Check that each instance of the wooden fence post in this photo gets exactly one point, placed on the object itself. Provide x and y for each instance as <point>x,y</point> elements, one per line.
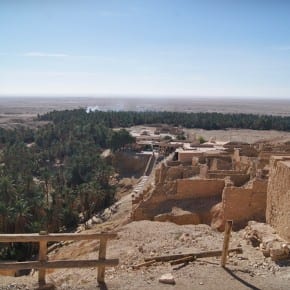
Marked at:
<point>42,258</point>
<point>102,256</point>
<point>228,229</point>
<point>43,264</point>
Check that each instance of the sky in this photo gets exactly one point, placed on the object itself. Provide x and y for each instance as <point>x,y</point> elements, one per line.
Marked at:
<point>188,48</point>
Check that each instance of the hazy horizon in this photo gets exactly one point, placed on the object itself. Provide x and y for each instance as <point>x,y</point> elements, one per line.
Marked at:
<point>35,105</point>
<point>152,97</point>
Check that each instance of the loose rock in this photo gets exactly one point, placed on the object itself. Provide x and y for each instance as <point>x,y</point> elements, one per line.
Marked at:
<point>167,279</point>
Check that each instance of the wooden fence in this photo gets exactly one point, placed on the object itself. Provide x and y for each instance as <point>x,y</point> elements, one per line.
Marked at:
<point>42,264</point>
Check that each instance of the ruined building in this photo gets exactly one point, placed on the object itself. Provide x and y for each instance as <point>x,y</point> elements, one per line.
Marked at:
<point>219,181</point>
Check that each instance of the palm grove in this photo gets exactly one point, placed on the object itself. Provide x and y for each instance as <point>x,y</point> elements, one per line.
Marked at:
<point>51,176</point>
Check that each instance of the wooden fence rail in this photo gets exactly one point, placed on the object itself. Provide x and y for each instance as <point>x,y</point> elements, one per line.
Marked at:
<point>42,264</point>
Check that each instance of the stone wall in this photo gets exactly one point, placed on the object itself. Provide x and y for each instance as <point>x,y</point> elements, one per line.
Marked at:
<point>237,178</point>
<point>194,195</point>
<point>220,164</point>
<point>190,171</point>
<point>195,188</point>
<point>278,197</point>
<point>244,204</point>
<point>182,197</point>
<point>185,157</point>
<point>265,156</point>
<point>164,173</point>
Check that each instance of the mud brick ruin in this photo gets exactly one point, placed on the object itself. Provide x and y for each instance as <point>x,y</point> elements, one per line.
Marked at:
<point>216,181</point>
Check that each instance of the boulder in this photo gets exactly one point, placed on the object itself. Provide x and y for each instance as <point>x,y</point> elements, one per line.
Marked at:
<point>96,220</point>
<point>167,279</point>
<point>217,217</point>
<point>179,216</point>
<point>89,224</point>
<point>279,251</point>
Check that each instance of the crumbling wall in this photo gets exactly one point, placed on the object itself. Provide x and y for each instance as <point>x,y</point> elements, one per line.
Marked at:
<point>237,178</point>
<point>194,195</point>
<point>173,173</point>
<point>164,173</point>
<point>195,188</point>
<point>265,156</point>
<point>186,156</point>
<point>244,204</point>
<point>278,197</point>
<point>211,198</point>
<point>241,205</point>
<point>223,162</point>
<point>244,164</point>
<point>190,171</point>
<point>224,165</point>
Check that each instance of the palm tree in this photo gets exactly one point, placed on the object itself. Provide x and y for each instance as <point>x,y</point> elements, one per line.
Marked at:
<point>3,217</point>
<point>7,190</point>
<point>21,213</point>
<point>7,197</point>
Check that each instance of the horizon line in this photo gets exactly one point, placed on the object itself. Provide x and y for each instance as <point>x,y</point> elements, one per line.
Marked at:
<point>130,96</point>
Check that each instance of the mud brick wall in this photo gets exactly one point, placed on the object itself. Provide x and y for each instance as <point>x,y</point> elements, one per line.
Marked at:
<point>195,188</point>
<point>194,195</point>
<point>244,204</point>
<point>186,157</point>
<point>278,197</point>
<point>238,179</point>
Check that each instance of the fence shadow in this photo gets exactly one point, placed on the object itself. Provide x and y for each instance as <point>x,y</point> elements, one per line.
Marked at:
<point>247,284</point>
<point>102,286</point>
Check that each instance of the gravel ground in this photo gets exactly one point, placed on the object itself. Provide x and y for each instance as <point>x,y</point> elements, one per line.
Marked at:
<point>249,270</point>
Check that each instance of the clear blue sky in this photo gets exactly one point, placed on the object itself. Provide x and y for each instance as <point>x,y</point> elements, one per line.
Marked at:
<point>143,47</point>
